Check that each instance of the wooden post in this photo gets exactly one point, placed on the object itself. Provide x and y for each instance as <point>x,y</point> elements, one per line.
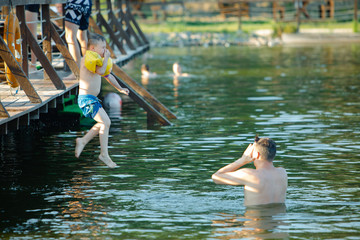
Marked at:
<point>118,26</point>
<point>102,22</point>
<point>64,51</point>
<point>298,16</point>
<point>16,69</point>
<point>129,19</point>
<point>145,105</point>
<point>46,34</point>
<point>3,112</point>
<point>143,92</point>
<point>58,83</point>
<point>20,13</point>
<point>356,16</point>
<point>239,20</point>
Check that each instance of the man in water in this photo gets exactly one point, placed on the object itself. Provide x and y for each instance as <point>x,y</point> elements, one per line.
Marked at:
<point>264,185</point>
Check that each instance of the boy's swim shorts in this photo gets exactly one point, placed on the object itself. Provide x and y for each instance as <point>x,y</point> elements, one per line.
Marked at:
<point>89,105</point>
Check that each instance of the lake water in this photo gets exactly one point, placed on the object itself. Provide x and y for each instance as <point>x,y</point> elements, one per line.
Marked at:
<point>306,98</point>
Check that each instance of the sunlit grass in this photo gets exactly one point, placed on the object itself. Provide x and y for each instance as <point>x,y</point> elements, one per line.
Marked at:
<point>229,26</point>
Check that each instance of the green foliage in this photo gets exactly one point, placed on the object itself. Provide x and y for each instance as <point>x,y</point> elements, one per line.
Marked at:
<point>280,28</point>
<point>232,26</point>
<point>355,26</point>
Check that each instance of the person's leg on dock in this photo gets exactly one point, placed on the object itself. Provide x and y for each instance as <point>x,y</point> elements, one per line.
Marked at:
<point>83,40</point>
<point>71,30</point>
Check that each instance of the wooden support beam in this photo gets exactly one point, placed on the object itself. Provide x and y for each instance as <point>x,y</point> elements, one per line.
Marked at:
<point>35,115</point>
<point>102,22</point>
<point>64,51</point>
<point>56,80</point>
<point>123,34</point>
<point>131,18</point>
<point>15,68</point>
<point>3,112</point>
<point>46,34</point>
<point>151,111</point>
<point>20,13</point>
<point>32,42</point>
<point>118,25</point>
<point>24,120</point>
<point>123,18</point>
<point>143,92</point>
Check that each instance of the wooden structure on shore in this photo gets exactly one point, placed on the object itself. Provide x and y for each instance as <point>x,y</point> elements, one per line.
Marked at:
<point>323,9</point>
<point>40,92</point>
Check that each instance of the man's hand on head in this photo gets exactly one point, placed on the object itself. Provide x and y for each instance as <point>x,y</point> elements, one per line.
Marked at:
<point>248,154</point>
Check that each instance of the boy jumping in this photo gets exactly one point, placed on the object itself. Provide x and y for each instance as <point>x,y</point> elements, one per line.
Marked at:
<point>94,64</point>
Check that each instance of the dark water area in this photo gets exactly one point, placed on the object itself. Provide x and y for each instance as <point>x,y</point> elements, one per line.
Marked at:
<point>306,98</point>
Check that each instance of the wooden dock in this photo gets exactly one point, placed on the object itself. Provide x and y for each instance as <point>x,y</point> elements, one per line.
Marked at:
<point>43,90</point>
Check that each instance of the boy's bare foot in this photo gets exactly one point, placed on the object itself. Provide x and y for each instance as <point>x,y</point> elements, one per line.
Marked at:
<point>107,160</point>
<point>79,147</point>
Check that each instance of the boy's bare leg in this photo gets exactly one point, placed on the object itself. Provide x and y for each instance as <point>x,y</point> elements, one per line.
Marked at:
<point>103,119</point>
<point>81,142</point>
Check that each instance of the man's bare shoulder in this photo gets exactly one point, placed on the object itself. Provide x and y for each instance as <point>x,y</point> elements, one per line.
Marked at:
<point>281,170</point>
<point>248,171</point>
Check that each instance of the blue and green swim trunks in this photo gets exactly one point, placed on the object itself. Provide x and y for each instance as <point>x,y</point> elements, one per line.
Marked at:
<point>89,105</point>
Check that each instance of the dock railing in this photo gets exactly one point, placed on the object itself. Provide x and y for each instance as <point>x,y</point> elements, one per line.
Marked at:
<point>116,24</point>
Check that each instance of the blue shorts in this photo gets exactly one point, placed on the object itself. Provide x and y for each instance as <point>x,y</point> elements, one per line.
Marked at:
<point>78,12</point>
<point>89,105</point>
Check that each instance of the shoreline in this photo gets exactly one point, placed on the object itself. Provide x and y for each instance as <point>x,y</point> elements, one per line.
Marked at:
<point>256,38</point>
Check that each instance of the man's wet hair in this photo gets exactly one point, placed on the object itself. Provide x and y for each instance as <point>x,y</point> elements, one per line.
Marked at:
<point>145,67</point>
<point>94,38</point>
<point>266,147</point>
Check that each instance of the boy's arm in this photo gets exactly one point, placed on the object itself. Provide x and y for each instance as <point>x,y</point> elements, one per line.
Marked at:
<point>111,79</point>
<point>101,70</point>
<point>230,175</point>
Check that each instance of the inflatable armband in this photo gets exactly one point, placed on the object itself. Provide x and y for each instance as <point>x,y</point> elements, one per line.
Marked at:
<point>108,68</point>
<point>93,59</point>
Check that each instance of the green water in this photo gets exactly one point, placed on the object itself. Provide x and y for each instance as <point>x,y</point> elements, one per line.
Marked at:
<point>306,98</point>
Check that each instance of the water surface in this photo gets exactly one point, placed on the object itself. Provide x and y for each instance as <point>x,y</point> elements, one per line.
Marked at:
<point>306,98</point>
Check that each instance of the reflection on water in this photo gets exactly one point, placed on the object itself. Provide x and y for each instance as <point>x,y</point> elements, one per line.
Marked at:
<point>259,222</point>
<point>306,98</point>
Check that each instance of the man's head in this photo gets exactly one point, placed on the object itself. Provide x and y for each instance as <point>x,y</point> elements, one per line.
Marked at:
<point>145,68</point>
<point>264,149</point>
<point>97,43</point>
